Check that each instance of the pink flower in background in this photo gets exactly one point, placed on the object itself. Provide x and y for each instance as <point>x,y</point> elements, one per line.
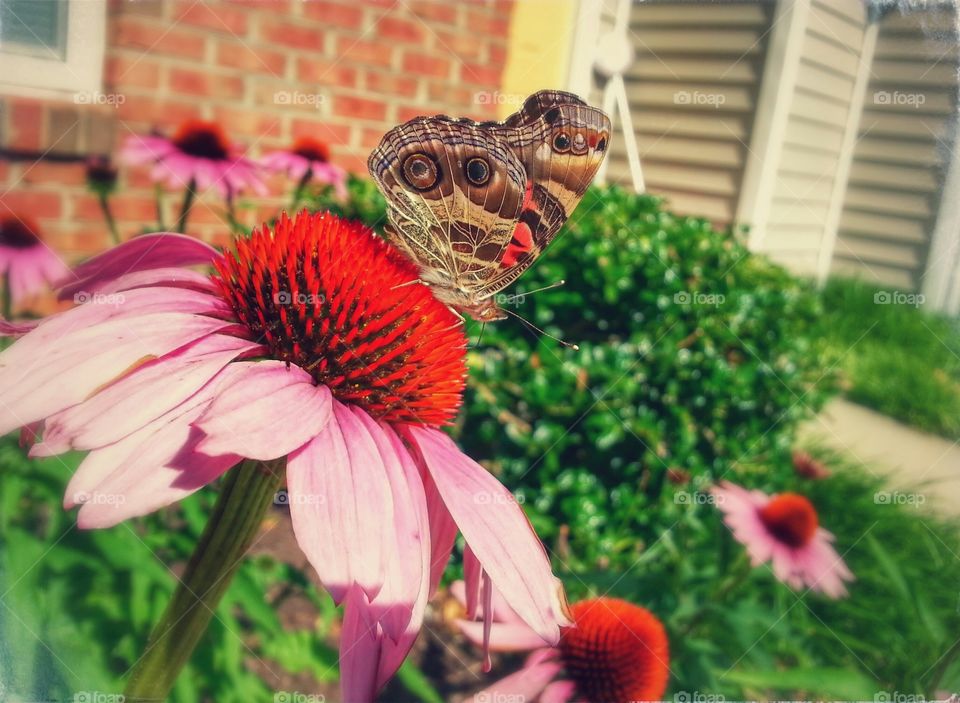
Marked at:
<point>615,651</point>
<point>308,160</point>
<point>29,265</point>
<point>784,530</point>
<point>198,152</point>
<point>309,344</point>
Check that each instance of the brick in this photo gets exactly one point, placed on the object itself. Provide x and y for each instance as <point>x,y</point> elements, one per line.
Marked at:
<point>138,71</point>
<point>291,36</point>
<point>64,131</point>
<point>337,14</point>
<point>55,173</point>
<point>480,75</point>
<point>400,30</point>
<point>156,113</point>
<point>436,11</point>
<point>332,134</point>
<point>486,23</point>
<point>32,203</point>
<point>360,108</point>
<point>86,207</point>
<point>462,46</point>
<point>25,126</point>
<point>445,93</point>
<point>247,123</point>
<point>232,54</point>
<point>497,53</point>
<point>369,138</point>
<point>335,72</point>
<point>355,163</point>
<point>390,83</point>
<point>156,38</point>
<point>204,84</point>
<point>147,8</point>
<point>362,51</point>
<point>426,65</point>
<point>276,7</point>
<point>408,112</point>
<point>219,19</point>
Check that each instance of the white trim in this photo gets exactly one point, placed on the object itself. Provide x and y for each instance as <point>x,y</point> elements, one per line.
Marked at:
<point>586,33</point>
<point>770,122</point>
<point>828,241</point>
<point>941,279</point>
<point>79,76</point>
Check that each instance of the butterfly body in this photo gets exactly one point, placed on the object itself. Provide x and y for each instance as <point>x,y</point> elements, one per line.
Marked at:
<point>473,204</point>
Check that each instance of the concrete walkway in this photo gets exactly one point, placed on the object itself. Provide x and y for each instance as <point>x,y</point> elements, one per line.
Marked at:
<point>913,461</point>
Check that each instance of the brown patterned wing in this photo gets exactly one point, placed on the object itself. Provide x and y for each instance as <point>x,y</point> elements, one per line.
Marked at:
<point>561,142</point>
<point>454,192</point>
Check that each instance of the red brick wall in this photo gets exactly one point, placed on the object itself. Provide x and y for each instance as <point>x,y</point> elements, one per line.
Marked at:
<point>350,68</point>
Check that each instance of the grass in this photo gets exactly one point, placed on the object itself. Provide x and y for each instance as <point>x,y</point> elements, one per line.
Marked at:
<point>896,358</point>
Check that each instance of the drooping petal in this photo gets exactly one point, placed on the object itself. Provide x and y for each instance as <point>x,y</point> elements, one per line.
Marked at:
<point>168,277</point>
<point>472,577</point>
<point>270,409</point>
<point>504,637</point>
<point>336,485</point>
<point>498,532</point>
<point>148,251</point>
<point>9,328</point>
<point>139,398</point>
<point>87,359</point>
<point>360,647</point>
<point>558,692</point>
<point>524,685</point>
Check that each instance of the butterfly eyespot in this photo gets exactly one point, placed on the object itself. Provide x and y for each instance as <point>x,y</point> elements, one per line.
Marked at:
<point>561,142</point>
<point>602,144</point>
<point>420,172</point>
<point>579,141</point>
<point>477,171</point>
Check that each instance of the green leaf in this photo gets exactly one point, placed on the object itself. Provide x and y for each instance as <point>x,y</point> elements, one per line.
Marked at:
<point>837,684</point>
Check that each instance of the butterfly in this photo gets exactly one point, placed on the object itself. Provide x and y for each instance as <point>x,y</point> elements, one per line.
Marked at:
<point>473,204</point>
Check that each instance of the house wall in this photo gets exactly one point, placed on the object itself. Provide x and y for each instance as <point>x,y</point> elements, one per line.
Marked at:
<point>904,144</point>
<point>693,91</point>
<point>350,69</point>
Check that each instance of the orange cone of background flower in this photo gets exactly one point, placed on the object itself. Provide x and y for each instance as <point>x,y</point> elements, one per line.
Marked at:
<point>29,265</point>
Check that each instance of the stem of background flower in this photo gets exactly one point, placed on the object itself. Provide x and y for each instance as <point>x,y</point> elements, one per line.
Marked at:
<point>108,216</point>
<point>248,491</point>
<point>187,204</point>
<point>739,572</point>
<point>945,661</point>
<point>298,191</point>
<point>158,196</point>
<point>7,294</point>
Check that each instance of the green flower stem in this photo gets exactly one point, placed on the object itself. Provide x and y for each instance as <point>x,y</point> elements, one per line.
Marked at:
<point>248,491</point>
<point>108,216</point>
<point>7,297</point>
<point>158,196</point>
<point>298,191</point>
<point>187,204</point>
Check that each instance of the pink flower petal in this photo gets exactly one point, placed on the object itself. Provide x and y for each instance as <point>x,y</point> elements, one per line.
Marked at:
<point>270,409</point>
<point>148,251</point>
<point>504,637</point>
<point>139,398</point>
<point>472,576</point>
<point>169,277</point>
<point>558,692</point>
<point>339,494</point>
<point>16,329</point>
<point>497,531</point>
<point>524,685</point>
<point>84,360</point>
<point>360,647</point>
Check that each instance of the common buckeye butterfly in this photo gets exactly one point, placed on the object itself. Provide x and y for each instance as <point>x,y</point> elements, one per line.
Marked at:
<point>473,204</point>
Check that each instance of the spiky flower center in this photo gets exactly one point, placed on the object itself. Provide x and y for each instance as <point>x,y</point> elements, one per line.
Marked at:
<point>329,296</point>
<point>791,518</point>
<point>312,149</point>
<point>616,651</point>
<point>18,233</point>
<point>202,139</point>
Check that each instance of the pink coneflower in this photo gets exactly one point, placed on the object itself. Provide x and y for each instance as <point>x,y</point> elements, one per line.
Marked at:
<point>28,265</point>
<point>310,342</point>
<point>806,466</point>
<point>784,530</point>
<point>615,652</point>
<point>308,160</point>
<point>198,153</point>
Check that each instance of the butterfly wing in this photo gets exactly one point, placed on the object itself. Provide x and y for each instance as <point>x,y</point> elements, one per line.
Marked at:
<point>455,192</point>
<point>561,142</point>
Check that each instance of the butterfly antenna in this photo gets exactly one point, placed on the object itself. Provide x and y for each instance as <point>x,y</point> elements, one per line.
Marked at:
<point>559,283</point>
<point>483,326</point>
<point>543,332</point>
